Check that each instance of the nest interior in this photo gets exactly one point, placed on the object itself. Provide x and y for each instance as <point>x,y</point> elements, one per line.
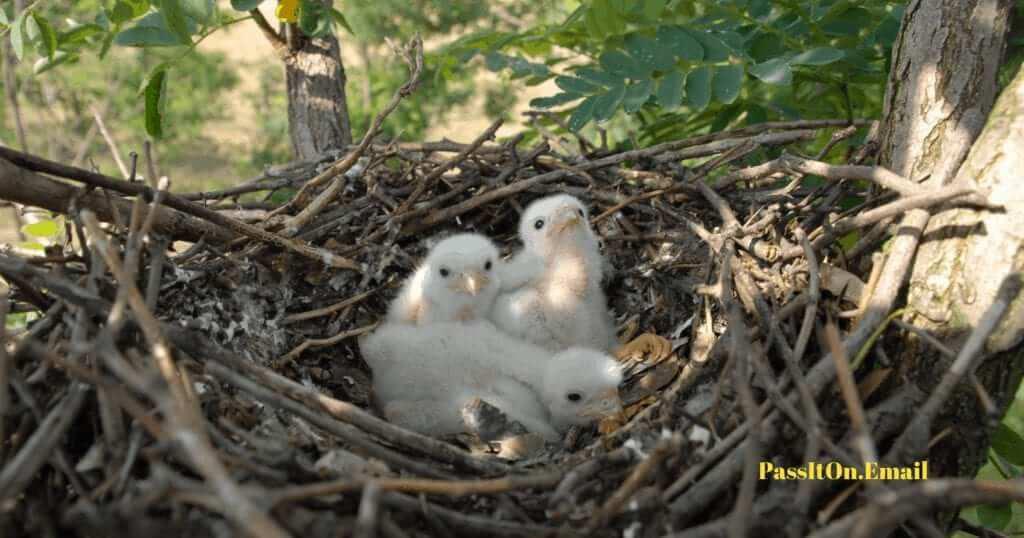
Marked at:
<point>217,388</point>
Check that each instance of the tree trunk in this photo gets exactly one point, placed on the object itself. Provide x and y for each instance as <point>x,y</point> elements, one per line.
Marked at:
<point>940,92</point>
<point>317,107</point>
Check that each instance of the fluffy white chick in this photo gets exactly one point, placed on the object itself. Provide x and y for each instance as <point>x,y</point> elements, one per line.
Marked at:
<point>560,303</point>
<point>456,282</point>
<point>423,376</point>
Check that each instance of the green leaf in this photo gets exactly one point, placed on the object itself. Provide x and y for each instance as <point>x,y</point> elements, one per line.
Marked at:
<point>652,9</point>
<point>3,17</point>
<point>774,71</point>
<point>554,100</point>
<point>43,228</point>
<point>597,76</point>
<point>715,50</point>
<point>1008,444</point>
<point>583,114</point>
<point>818,56</point>
<point>201,11</point>
<point>340,19</point>
<point>670,90</point>
<point>727,82</point>
<point>43,65</point>
<point>121,13</point>
<point>607,103</point>
<point>79,34</point>
<point>245,5</point>
<point>680,43</point>
<point>636,95</point>
<point>995,517</point>
<point>698,88</point>
<point>648,52</point>
<point>575,85</point>
<point>495,61</point>
<point>47,37</point>
<point>619,63</point>
<point>312,20</point>
<point>146,36</point>
<point>176,21</point>
<point>17,36</point>
<point>155,90</point>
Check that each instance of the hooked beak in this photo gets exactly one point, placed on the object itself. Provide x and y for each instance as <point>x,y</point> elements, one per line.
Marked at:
<point>608,404</point>
<point>471,283</point>
<point>569,219</point>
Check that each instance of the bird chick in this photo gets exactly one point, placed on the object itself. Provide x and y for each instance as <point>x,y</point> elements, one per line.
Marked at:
<point>560,303</point>
<point>424,376</point>
<point>456,282</point>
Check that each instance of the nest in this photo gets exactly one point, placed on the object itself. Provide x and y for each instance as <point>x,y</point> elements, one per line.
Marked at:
<point>218,390</point>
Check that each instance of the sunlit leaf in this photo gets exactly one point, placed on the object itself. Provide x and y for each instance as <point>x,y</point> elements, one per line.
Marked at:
<point>43,228</point>
<point>17,36</point>
<point>774,71</point>
<point>43,65</point>
<point>817,56</point>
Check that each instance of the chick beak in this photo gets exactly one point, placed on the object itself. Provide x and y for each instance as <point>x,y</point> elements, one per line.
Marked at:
<point>610,405</point>
<point>473,282</point>
<point>570,219</point>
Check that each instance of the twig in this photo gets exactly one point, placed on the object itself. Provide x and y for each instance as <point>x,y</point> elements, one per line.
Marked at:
<point>39,164</point>
<point>448,488</point>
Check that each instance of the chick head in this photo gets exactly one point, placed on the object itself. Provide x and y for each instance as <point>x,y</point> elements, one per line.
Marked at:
<point>553,224</point>
<point>581,386</point>
<point>461,268</point>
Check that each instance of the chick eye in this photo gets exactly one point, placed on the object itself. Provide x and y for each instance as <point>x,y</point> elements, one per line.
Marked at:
<point>538,224</point>
<point>579,212</point>
<point>574,397</point>
<point>444,272</point>
<point>487,266</point>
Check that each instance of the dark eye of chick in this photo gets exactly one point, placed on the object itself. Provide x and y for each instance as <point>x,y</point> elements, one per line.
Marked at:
<point>487,266</point>
<point>444,272</point>
<point>579,212</point>
<point>538,224</point>
<point>574,397</point>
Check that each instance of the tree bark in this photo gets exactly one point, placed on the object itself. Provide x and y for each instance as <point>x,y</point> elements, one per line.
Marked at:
<point>318,118</point>
<point>941,90</point>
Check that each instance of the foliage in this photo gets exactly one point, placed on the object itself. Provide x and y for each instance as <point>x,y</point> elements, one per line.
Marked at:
<point>178,25</point>
<point>1005,462</point>
<point>678,67</point>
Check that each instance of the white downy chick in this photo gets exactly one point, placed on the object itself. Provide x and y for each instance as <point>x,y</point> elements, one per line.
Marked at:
<point>560,303</point>
<point>423,376</point>
<point>456,282</point>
